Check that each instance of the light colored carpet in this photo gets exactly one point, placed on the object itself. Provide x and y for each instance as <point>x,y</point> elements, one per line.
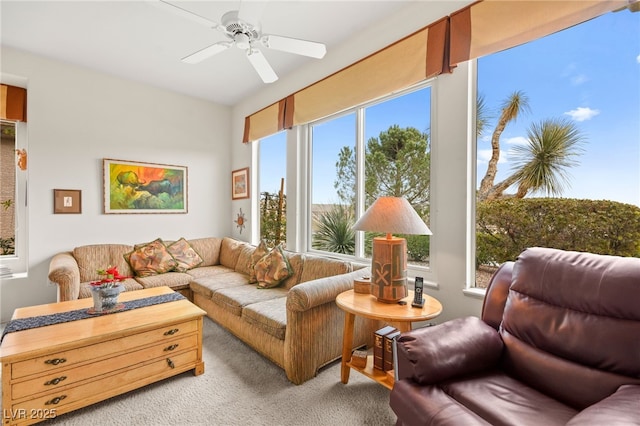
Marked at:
<point>240,387</point>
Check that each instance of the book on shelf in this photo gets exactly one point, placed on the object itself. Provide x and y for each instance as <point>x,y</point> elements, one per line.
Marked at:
<point>387,359</point>
<point>378,346</point>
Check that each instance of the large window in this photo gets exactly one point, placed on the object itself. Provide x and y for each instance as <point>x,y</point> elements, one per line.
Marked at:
<point>382,149</point>
<point>558,145</point>
<point>13,181</point>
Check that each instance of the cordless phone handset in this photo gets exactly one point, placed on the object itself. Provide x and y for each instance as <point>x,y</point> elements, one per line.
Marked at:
<point>418,300</point>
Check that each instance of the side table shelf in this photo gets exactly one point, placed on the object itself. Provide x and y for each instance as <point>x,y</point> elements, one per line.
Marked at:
<point>375,374</point>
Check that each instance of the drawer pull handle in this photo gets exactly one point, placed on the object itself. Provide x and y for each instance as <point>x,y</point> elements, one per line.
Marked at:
<point>170,363</point>
<point>170,348</point>
<point>171,332</point>
<point>55,361</point>
<point>55,381</point>
<point>55,400</point>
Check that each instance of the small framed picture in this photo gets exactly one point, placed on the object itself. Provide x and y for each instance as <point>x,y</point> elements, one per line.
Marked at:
<point>240,184</point>
<point>67,201</point>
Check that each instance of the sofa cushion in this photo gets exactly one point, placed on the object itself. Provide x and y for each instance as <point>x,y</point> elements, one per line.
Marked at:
<point>206,271</point>
<point>208,249</point>
<point>184,254</point>
<point>230,252</point>
<point>170,279</point>
<point>244,259</point>
<point>151,259</point>
<point>273,268</point>
<point>100,256</point>
<point>258,254</point>
<point>621,408</point>
<point>296,260</point>
<point>233,299</point>
<point>207,285</point>
<point>319,267</point>
<point>269,316</point>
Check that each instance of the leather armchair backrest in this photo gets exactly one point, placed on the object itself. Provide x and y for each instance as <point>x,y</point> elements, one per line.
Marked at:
<point>496,295</point>
<point>572,320</point>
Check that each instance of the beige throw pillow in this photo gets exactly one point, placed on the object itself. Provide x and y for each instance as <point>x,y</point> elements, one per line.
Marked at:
<point>258,254</point>
<point>185,256</point>
<point>151,259</point>
<point>273,268</point>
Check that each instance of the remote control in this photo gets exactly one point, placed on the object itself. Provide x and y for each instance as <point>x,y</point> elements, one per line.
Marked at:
<point>418,300</point>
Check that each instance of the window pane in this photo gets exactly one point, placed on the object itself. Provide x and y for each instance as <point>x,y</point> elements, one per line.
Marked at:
<point>569,163</point>
<point>398,160</point>
<point>7,189</point>
<point>333,181</point>
<point>273,205</point>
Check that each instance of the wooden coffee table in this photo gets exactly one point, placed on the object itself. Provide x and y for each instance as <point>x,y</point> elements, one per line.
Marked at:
<point>51,370</point>
<point>399,316</point>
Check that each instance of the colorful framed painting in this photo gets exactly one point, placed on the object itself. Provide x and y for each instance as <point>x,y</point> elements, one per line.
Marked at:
<point>240,184</point>
<point>137,187</point>
<point>67,201</point>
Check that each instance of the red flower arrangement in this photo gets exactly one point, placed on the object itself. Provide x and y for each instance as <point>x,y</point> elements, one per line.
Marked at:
<point>111,280</point>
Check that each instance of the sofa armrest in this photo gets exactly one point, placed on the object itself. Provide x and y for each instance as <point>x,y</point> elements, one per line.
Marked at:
<point>310,294</point>
<point>64,271</point>
<point>620,408</point>
<point>461,346</point>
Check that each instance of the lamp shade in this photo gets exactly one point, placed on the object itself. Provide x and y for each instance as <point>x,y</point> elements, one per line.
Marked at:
<point>392,215</point>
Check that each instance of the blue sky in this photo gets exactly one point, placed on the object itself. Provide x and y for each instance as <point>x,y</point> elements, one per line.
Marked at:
<point>589,74</point>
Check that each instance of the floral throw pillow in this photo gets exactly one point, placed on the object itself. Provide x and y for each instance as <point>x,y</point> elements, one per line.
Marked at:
<point>185,256</point>
<point>273,268</point>
<point>151,259</point>
<point>258,254</point>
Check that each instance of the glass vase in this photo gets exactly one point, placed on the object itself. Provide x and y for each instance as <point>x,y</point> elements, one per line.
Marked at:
<point>106,299</point>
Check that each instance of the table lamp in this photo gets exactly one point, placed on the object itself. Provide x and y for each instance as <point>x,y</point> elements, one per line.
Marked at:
<point>389,257</point>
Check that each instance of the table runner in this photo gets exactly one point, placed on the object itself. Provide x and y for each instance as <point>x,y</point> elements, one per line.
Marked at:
<point>78,314</point>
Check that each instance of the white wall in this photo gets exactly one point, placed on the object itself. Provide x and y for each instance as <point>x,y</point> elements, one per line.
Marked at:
<point>77,117</point>
<point>449,155</point>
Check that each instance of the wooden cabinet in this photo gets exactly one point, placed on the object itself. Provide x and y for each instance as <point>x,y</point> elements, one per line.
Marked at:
<point>142,346</point>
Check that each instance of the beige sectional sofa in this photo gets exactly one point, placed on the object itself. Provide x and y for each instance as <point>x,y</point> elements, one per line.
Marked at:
<point>296,325</point>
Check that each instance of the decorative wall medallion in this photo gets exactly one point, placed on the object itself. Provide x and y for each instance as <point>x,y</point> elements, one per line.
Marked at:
<point>240,221</point>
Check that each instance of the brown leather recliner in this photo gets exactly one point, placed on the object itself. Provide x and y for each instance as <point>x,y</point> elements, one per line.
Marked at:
<point>558,344</point>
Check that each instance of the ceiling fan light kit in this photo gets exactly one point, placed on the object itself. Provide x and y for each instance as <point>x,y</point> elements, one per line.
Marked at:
<point>246,35</point>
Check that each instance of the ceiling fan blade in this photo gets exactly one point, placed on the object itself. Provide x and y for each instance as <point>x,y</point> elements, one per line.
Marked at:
<point>251,11</point>
<point>177,10</point>
<point>294,45</point>
<point>262,67</point>
<point>207,52</point>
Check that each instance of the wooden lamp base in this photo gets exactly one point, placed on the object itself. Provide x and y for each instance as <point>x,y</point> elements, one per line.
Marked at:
<point>389,269</point>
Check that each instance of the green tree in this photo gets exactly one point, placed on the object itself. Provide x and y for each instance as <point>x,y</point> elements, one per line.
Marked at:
<point>273,223</point>
<point>541,164</point>
<point>397,163</point>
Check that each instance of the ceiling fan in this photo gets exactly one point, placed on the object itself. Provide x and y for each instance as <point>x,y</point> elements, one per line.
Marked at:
<point>243,31</point>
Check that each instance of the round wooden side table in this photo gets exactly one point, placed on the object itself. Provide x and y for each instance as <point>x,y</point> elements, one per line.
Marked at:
<point>399,316</point>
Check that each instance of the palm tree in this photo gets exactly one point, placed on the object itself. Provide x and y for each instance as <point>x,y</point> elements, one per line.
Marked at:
<point>513,106</point>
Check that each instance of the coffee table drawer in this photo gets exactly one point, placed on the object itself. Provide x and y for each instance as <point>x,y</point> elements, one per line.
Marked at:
<point>64,378</point>
<point>62,360</point>
<point>104,387</point>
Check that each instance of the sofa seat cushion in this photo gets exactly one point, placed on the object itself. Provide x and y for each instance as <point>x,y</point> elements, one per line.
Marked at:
<point>170,279</point>
<point>502,400</point>
<point>129,285</point>
<point>234,299</point>
<point>207,285</point>
<point>208,271</point>
<point>269,316</point>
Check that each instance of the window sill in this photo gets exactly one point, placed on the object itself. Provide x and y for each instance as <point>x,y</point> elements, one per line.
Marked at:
<point>477,293</point>
<point>15,276</point>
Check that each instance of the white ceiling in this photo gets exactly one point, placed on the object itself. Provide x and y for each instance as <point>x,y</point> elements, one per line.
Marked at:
<point>139,41</point>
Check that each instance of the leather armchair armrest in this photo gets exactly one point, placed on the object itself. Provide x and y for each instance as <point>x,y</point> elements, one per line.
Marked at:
<point>458,347</point>
<point>620,408</point>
